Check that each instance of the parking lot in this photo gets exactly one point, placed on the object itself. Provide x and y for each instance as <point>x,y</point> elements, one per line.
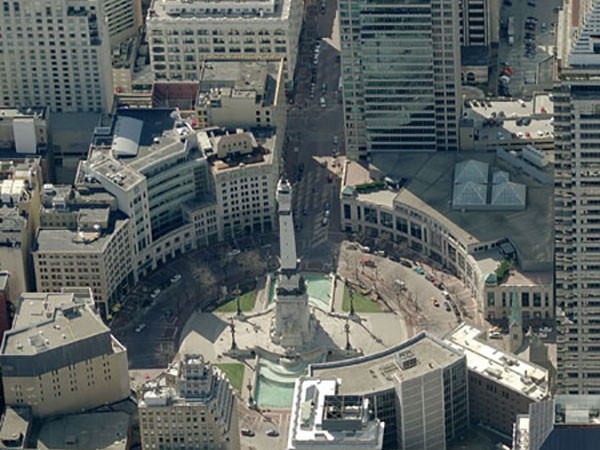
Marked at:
<point>532,53</point>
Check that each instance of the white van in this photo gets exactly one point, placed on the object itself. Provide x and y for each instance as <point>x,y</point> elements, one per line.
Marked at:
<point>323,103</point>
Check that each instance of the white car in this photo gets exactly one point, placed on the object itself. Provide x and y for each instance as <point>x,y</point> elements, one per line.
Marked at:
<point>234,252</point>
<point>323,102</point>
<point>140,328</point>
<point>155,293</point>
<point>175,278</point>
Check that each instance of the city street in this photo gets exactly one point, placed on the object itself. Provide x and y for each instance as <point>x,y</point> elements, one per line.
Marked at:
<point>536,70</point>
<point>312,129</point>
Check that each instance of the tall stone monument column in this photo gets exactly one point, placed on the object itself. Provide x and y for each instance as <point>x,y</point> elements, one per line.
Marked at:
<point>293,325</point>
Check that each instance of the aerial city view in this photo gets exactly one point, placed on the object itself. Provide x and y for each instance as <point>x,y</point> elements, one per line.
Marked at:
<point>300,224</point>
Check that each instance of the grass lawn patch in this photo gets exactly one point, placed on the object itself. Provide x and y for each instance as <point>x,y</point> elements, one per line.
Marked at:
<point>362,304</point>
<point>235,374</point>
<point>246,303</point>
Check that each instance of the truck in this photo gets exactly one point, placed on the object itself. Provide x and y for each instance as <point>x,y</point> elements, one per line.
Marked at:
<point>510,30</point>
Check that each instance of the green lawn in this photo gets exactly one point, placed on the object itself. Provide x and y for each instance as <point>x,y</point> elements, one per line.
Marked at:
<point>246,303</point>
<point>362,304</point>
<point>235,374</point>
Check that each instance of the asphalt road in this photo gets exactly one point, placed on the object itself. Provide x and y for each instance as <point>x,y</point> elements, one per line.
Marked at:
<point>311,131</point>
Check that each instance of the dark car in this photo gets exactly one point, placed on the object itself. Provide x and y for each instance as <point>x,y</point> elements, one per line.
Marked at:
<point>247,432</point>
<point>272,433</point>
<point>405,263</point>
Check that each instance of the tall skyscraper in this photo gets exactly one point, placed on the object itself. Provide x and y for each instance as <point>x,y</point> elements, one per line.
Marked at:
<point>400,75</point>
<point>55,53</point>
<point>577,198</point>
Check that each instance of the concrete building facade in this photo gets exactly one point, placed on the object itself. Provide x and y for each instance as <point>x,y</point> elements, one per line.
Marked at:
<point>34,71</point>
<point>400,76</point>
<point>24,130</point>
<point>420,220</point>
<point>191,405</point>
<point>321,419</point>
<point>60,358</point>
<point>153,188</point>
<point>418,389</point>
<point>20,186</point>
<point>576,195</point>
<point>182,34</point>
<point>241,94</point>
<point>501,385</point>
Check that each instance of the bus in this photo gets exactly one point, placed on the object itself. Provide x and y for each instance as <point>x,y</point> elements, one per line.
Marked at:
<point>510,30</point>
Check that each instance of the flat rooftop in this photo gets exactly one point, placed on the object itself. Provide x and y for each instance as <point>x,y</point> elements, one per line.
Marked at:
<point>377,372</point>
<point>212,11</point>
<point>55,240</point>
<point>504,368</point>
<point>48,321</point>
<point>15,425</point>
<point>93,431</point>
<point>309,417</point>
<point>429,189</point>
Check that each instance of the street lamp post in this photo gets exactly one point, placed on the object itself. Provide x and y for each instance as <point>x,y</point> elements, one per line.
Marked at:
<point>232,327</point>
<point>347,330</point>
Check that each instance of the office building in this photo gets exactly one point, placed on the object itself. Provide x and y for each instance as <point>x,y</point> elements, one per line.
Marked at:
<point>479,22</point>
<point>182,34</point>
<point>576,195</point>
<point>566,421</point>
<point>15,427</point>
<point>153,188</point>
<point>400,76</point>
<point>59,357</point>
<point>20,185</point>
<point>494,256</point>
<point>241,94</point>
<point>191,405</point>
<point>83,241</point>
<point>321,419</point>
<point>501,385</point>
<point>418,389</point>
<point>4,303</point>
<point>73,76</point>
<point>123,19</point>
<point>24,130</point>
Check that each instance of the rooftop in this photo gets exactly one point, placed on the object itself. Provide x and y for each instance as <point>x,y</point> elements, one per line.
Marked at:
<point>429,190</point>
<point>504,368</point>
<point>376,372</point>
<point>93,431</point>
<point>224,11</point>
<point>474,55</point>
<point>24,111</point>
<point>319,415</point>
<point>239,78</point>
<point>55,240</point>
<point>14,427</point>
<point>46,321</point>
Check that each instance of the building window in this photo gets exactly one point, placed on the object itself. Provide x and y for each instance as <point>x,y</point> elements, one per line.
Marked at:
<point>525,299</point>
<point>537,299</point>
<point>491,298</point>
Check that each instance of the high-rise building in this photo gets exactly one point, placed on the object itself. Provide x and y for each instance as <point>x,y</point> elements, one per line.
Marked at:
<point>418,389</point>
<point>191,405</point>
<point>55,53</point>
<point>60,358</point>
<point>576,197</point>
<point>123,19</point>
<point>183,33</point>
<point>400,75</point>
<point>479,22</point>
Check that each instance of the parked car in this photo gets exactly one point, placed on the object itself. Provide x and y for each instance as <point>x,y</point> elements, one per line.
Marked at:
<point>323,102</point>
<point>140,328</point>
<point>406,263</point>
<point>272,433</point>
<point>435,301</point>
<point>368,262</point>
<point>247,432</point>
<point>155,293</point>
<point>419,270</point>
<point>447,306</point>
<point>430,277</point>
<point>175,278</point>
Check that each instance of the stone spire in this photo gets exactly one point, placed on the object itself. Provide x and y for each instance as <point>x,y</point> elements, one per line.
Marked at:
<point>293,326</point>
